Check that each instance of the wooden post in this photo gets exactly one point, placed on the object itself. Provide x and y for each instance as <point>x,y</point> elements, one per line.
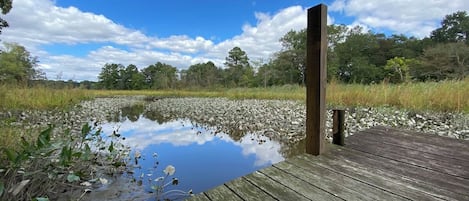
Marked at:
<point>316,50</point>
<point>338,117</point>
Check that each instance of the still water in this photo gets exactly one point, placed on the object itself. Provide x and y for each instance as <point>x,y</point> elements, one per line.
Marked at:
<point>203,159</point>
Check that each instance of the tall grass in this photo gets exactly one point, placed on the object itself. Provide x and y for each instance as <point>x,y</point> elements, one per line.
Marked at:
<point>445,96</point>
<point>21,98</point>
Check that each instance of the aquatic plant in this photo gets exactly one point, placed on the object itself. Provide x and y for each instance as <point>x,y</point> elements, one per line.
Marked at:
<point>60,164</point>
<point>159,184</point>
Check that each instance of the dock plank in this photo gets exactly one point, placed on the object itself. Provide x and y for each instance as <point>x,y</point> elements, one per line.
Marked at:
<point>222,193</point>
<point>411,156</point>
<point>376,164</point>
<point>199,197</point>
<point>341,185</point>
<point>277,190</point>
<point>247,190</point>
<point>431,143</point>
<point>337,184</point>
<point>304,188</point>
<point>424,150</point>
<point>416,183</point>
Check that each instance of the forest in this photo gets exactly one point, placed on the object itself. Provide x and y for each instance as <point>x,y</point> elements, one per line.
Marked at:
<point>354,56</point>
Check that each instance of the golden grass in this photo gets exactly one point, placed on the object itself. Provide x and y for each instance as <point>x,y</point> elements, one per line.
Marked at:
<point>20,98</point>
<point>446,96</point>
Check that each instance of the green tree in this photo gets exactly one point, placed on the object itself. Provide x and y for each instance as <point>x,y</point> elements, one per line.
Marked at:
<point>358,57</point>
<point>110,76</point>
<point>454,28</point>
<point>5,6</point>
<point>239,72</point>
<point>202,75</point>
<point>293,57</point>
<point>17,65</point>
<point>160,76</point>
<point>398,68</point>
<point>444,61</point>
<point>131,78</point>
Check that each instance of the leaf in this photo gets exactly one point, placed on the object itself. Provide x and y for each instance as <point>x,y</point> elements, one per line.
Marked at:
<point>11,155</point>
<point>41,199</point>
<point>111,147</point>
<point>44,137</point>
<point>66,155</point>
<point>85,130</point>
<point>72,178</point>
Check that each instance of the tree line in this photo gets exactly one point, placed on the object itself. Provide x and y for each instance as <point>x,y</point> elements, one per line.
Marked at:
<point>354,56</point>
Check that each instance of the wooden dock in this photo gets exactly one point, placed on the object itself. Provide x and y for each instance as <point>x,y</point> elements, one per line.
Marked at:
<point>376,164</point>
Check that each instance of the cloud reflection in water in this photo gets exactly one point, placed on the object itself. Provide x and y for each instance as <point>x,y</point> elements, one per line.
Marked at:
<point>144,132</point>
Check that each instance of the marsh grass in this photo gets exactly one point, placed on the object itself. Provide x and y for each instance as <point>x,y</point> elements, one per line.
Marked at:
<point>41,98</point>
<point>445,96</point>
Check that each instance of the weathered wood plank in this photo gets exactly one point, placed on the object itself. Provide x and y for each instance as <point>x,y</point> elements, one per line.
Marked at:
<point>453,147</point>
<point>443,152</point>
<point>376,164</point>
<point>222,193</point>
<point>340,185</point>
<point>277,190</point>
<point>373,177</point>
<point>199,197</point>
<point>412,181</point>
<point>425,138</point>
<point>302,187</point>
<point>336,184</point>
<point>413,157</point>
<point>247,191</point>
<point>316,62</point>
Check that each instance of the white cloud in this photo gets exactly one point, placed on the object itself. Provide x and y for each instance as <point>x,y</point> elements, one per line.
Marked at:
<point>35,23</point>
<point>417,17</point>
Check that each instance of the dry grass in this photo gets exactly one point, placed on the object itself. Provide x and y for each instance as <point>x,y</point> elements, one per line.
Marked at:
<point>436,96</point>
<point>447,96</point>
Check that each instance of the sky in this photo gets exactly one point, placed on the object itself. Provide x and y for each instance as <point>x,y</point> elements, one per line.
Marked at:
<point>74,39</point>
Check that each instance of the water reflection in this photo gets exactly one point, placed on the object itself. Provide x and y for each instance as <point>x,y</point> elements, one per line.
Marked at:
<point>203,157</point>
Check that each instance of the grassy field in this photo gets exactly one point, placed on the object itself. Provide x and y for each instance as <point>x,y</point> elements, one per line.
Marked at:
<point>447,96</point>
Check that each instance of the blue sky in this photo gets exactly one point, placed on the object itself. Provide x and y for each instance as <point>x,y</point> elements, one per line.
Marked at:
<point>73,39</point>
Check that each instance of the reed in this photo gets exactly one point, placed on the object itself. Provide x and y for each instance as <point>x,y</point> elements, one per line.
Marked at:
<point>445,96</point>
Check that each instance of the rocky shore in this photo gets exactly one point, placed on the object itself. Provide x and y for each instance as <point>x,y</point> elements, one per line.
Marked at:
<point>285,120</point>
<point>279,119</point>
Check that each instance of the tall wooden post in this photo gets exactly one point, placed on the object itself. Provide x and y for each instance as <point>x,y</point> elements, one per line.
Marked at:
<point>316,55</point>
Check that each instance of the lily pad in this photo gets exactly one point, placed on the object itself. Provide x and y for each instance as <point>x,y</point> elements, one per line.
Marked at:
<point>73,178</point>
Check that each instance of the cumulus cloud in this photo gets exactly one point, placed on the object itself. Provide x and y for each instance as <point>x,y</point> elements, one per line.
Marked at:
<point>35,23</point>
<point>417,18</point>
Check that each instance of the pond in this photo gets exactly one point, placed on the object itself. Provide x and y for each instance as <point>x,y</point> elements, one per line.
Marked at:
<point>203,157</point>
